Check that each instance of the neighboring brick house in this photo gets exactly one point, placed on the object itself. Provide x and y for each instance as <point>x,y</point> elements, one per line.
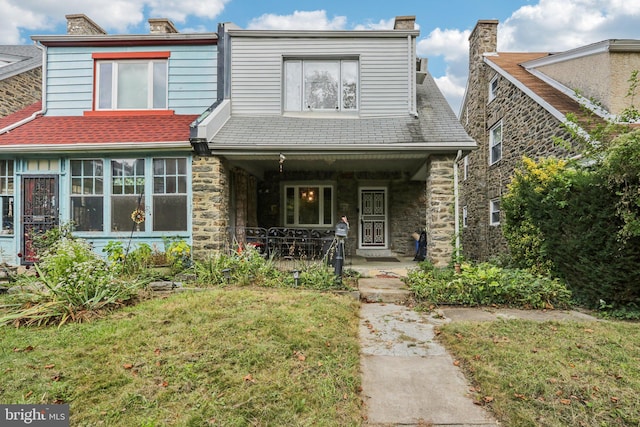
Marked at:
<point>110,136</point>
<point>20,77</point>
<point>514,106</point>
<point>313,125</point>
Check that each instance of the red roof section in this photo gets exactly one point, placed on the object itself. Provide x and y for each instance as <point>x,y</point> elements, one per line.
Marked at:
<point>70,130</point>
<point>20,115</point>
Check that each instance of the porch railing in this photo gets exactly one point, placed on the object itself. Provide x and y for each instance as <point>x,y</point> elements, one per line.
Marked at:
<point>285,242</point>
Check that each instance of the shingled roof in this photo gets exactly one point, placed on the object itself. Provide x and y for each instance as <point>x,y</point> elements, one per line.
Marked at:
<point>88,132</point>
<point>436,127</point>
<point>21,58</point>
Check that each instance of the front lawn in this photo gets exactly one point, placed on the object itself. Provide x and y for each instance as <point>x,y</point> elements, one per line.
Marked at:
<point>221,357</point>
<point>552,373</point>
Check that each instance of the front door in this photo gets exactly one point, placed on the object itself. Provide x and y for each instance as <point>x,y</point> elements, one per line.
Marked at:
<point>39,211</point>
<point>373,218</point>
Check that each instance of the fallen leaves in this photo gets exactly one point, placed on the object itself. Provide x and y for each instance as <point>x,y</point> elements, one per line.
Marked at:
<point>249,379</point>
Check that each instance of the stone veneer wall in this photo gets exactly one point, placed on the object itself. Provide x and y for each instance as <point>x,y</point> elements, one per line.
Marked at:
<point>210,212</point>
<point>440,209</point>
<point>527,130</point>
<point>20,91</point>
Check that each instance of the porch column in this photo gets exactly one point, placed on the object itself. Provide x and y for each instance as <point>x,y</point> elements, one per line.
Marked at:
<point>440,209</point>
<point>210,212</point>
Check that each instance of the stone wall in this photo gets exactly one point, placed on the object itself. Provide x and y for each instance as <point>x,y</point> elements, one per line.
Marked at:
<point>210,212</point>
<point>440,220</point>
<point>527,130</point>
<point>20,91</point>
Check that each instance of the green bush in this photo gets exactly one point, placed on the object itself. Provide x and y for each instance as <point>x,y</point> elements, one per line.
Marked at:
<point>72,283</point>
<point>487,284</point>
<point>250,268</point>
<point>565,221</point>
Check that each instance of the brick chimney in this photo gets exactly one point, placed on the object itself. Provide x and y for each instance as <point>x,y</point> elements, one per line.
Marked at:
<point>404,23</point>
<point>80,24</point>
<point>161,26</point>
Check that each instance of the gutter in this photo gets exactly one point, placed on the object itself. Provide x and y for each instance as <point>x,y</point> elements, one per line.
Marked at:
<point>43,108</point>
<point>413,109</point>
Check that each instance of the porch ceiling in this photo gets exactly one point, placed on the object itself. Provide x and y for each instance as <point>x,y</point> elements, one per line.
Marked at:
<point>406,163</point>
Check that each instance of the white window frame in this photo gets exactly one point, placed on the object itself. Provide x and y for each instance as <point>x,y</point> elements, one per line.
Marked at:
<point>7,198</point>
<point>465,214</point>
<point>493,88</point>
<point>322,222</point>
<point>465,168</point>
<point>112,93</point>
<point>293,71</point>
<point>493,143</point>
<point>494,210</point>
<point>87,186</point>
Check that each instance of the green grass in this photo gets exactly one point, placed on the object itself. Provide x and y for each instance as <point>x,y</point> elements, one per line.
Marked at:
<point>221,357</point>
<point>552,373</point>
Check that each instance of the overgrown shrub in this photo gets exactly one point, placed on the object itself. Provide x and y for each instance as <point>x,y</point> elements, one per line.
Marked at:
<point>72,283</point>
<point>487,284</point>
<point>250,268</point>
<point>566,219</point>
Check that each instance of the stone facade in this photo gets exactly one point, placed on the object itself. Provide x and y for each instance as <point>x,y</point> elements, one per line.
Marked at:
<point>210,212</point>
<point>527,130</point>
<point>440,219</point>
<point>81,24</point>
<point>20,91</point>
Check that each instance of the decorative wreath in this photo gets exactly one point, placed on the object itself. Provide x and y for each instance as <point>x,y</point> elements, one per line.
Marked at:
<point>137,216</point>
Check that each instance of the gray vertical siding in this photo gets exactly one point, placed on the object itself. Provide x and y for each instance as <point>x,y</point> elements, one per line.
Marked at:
<point>192,78</point>
<point>256,71</point>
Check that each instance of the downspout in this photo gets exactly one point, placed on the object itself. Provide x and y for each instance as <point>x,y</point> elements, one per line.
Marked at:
<point>456,204</point>
<point>412,79</point>
<point>43,108</point>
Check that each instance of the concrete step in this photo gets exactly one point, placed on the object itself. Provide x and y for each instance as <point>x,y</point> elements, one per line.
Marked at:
<point>390,290</point>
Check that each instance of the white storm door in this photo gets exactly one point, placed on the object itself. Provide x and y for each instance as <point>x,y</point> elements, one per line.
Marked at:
<point>373,218</point>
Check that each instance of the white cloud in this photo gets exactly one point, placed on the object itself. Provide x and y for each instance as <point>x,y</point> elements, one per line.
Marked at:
<point>383,24</point>
<point>115,16</point>
<point>547,26</point>
<point>299,20</point>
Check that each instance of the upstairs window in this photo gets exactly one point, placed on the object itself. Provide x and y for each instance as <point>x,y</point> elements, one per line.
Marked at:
<point>131,84</point>
<point>493,88</point>
<point>321,85</point>
<point>495,143</point>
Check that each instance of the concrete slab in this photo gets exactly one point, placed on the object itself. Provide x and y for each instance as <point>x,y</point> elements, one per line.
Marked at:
<point>457,314</point>
<point>384,290</point>
<point>407,377</point>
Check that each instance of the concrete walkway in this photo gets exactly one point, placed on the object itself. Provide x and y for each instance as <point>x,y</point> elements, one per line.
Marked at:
<point>408,378</point>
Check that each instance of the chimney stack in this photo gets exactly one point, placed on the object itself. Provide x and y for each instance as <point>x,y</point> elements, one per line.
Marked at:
<point>161,26</point>
<point>404,23</point>
<point>80,24</point>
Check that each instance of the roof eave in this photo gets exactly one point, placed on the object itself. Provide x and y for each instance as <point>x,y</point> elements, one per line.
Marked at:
<point>125,39</point>
<point>97,147</point>
<point>323,34</point>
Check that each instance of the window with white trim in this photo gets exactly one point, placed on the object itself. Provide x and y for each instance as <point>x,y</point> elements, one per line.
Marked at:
<point>464,216</point>
<point>494,212</point>
<point>6,196</point>
<point>465,168</point>
<point>127,194</point>
<point>170,194</point>
<point>139,84</point>
<point>308,205</point>
<point>321,85</point>
<point>495,143</point>
<point>493,88</point>
<point>87,194</point>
